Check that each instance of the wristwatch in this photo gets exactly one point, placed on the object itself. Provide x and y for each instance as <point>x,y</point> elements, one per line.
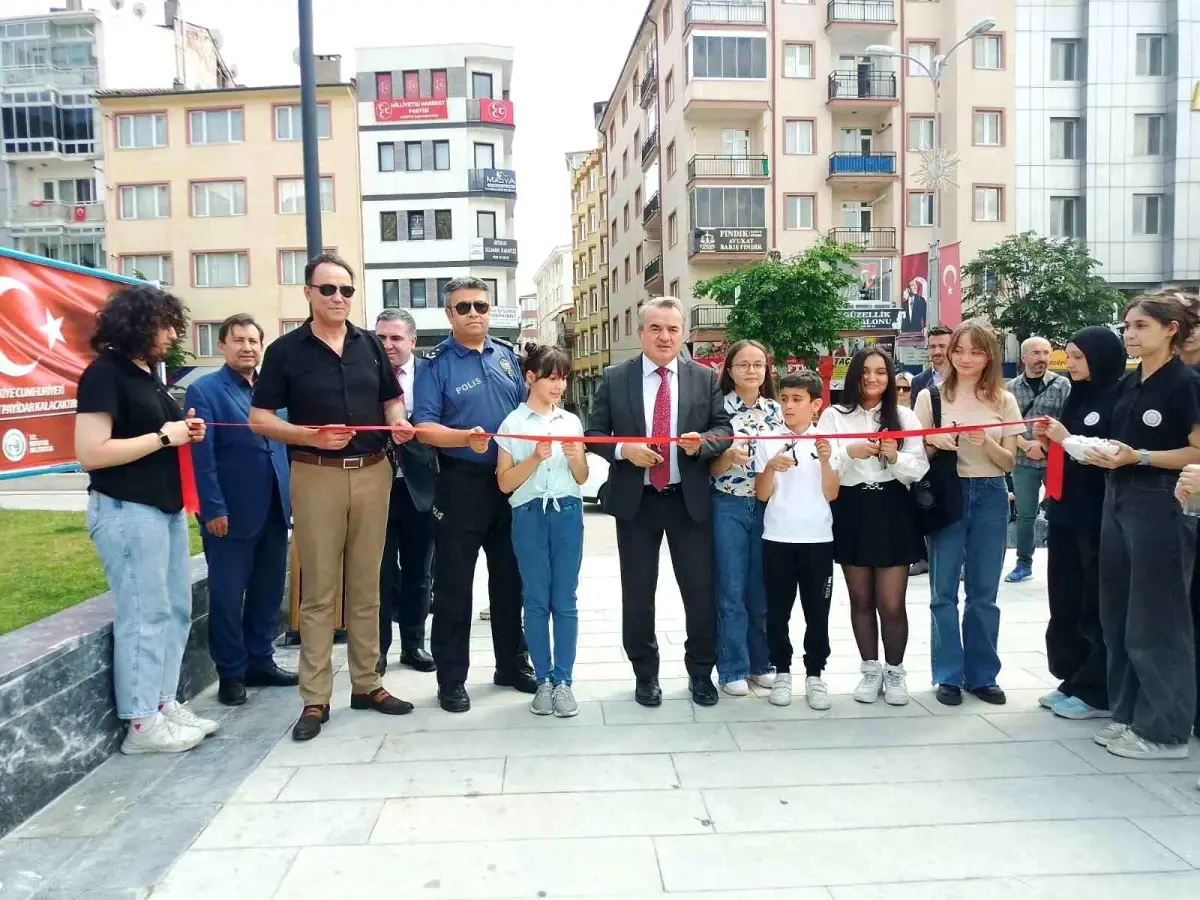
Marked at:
<point>162,438</point>
<point>1143,457</point>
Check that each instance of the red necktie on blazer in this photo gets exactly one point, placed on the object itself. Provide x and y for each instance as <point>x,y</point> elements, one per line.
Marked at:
<point>660,475</point>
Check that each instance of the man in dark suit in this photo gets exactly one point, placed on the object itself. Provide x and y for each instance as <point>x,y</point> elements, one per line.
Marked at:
<point>406,571</point>
<point>938,343</point>
<point>243,482</point>
<point>657,489</point>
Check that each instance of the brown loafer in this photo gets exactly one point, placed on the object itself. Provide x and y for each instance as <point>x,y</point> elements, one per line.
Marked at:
<point>308,726</point>
<point>381,701</point>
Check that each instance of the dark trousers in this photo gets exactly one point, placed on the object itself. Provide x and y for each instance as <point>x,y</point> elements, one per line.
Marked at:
<point>406,572</point>
<point>1195,592</point>
<point>638,543</point>
<point>1074,639</point>
<point>1147,550</point>
<point>470,514</point>
<point>807,568</point>
<point>245,589</point>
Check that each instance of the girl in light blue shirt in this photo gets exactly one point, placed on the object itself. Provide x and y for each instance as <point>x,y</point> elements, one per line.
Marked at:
<point>543,479</point>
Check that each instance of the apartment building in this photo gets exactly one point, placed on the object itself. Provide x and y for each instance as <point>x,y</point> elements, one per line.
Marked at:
<point>53,181</point>
<point>589,265</point>
<point>439,182</point>
<point>1105,95</point>
<point>206,195</point>
<point>529,319</point>
<point>555,305</point>
<point>738,127</point>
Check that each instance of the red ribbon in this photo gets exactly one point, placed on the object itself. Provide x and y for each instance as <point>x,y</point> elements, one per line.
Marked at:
<point>187,481</point>
<point>1055,464</point>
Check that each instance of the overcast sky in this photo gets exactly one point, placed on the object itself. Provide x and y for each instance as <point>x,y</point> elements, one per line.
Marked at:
<point>568,54</point>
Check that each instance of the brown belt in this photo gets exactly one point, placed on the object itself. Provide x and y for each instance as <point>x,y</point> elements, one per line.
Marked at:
<point>337,462</point>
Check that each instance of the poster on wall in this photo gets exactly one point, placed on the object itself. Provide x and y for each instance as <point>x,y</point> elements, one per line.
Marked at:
<point>914,293</point>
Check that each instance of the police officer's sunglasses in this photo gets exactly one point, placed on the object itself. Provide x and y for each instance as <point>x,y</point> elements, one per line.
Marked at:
<point>480,306</point>
<point>328,290</point>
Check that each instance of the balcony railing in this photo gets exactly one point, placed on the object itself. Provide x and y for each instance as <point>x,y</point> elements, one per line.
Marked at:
<point>875,12</point>
<point>709,317</point>
<point>882,240</point>
<point>653,270</point>
<point>56,213</point>
<point>728,167</point>
<point>86,76</point>
<point>648,85</point>
<point>651,209</point>
<point>849,163</point>
<point>848,85</point>
<point>649,145</point>
<point>726,12</point>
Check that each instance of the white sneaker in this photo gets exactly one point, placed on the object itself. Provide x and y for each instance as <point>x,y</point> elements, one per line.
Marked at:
<point>485,614</point>
<point>817,693</point>
<point>781,691</point>
<point>181,715</point>
<point>1131,746</point>
<point>895,685</point>
<point>737,688</point>
<point>1113,731</point>
<point>766,679</point>
<point>872,682</point>
<point>164,737</point>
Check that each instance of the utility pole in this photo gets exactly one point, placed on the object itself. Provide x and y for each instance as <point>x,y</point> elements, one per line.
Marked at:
<point>308,116</point>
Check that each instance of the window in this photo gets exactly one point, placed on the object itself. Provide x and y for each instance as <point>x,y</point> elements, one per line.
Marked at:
<point>672,230</point>
<point>391,293</point>
<point>799,212</point>
<point>1066,217</point>
<point>383,84</point>
<point>287,326</point>
<point>626,216</point>
<point>389,229</point>
<point>291,266</point>
<point>1148,134</point>
<point>669,88</point>
<point>628,320</point>
<point>628,270</point>
<point>671,161</point>
<point>416,226</point>
<point>923,51</point>
<point>412,156</point>
<point>624,110</point>
<point>1064,139</point>
<point>493,290</point>
<point>1147,213</point>
<point>221,269</point>
<point>207,334</point>
<point>728,207</point>
<point>441,156</point>
<point>141,131</point>
<point>417,297</point>
<point>440,299</point>
<point>921,133</point>
<point>989,204</point>
<point>485,224</point>
<point>216,126</point>
<point>674,289</point>
<point>288,119</point>
<point>989,51</point>
<point>442,225</point>
<point>1066,60</point>
<point>291,195</point>
<point>668,22</point>
<point>481,86</point>
<point>797,61</point>
<point>145,201</point>
<point>637,200</point>
<point>625,164</point>
<point>153,267</point>
<point>485,156</point>
<point>387,157</point>
<point>616,278</point>
<point>1152,54</point>
<point>214,199</point>
<point>798,137</point>
<point>729,57</point>
<point>988,128</point>
<point>920,210</point>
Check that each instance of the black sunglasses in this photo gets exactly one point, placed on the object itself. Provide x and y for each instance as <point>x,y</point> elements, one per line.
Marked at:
<point>480,306</point>
<point>328,290</point>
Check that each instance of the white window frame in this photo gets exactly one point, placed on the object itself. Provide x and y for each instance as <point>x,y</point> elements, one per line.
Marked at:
<point>1143,204</point>
<point>207,335</point>
<point>290,196</point>
<point>798,60</point>
<point>1060,147</point>
<point>154,266</point>
<point>1142,132</point>
<point>128,197</point>
<point>924,203</point>
<point>794,212</point>
<point>288,125</point>
<point>129,141</point>
<point>1058,53</point>
<point>1143,57</point>
<point>291,265</point>
<point>987,52</point>
<point>987,204</point>
<point>235,125</point>
<point>241,261</point>
<point>987,128</point>
<point>915,70</point>
<point>1064,216</point>
<point>794,140</point>
<point>925,125</point>
<point>201,199</point>
<point>690,57</point>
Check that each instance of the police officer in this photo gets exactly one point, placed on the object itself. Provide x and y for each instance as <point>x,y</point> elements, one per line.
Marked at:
<point>471,383</point>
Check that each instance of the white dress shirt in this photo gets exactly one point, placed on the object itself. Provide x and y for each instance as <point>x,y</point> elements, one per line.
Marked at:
<point>650,384</point>
<point>910,465</point>
<point>405,375</point>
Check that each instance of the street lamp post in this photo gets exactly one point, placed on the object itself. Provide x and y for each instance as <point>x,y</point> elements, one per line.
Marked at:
<point>939,163</point>
<point>308,119</point>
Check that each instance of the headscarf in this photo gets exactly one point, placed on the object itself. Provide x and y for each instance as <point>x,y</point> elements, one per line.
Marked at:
<point>1105,354</point>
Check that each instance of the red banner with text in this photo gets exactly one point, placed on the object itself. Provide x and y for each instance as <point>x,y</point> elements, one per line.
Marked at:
<point>914,276</point>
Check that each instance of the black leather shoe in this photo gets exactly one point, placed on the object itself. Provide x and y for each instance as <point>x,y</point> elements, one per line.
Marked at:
<point>949,695</point>
<point>382,702</point>
<point>381,666</point>
<point>991,694</point>
<point>454,698</point>
<point>521,680</point>
<point>308,726</point>
<point>418,659</point>
<point>647,692</point>
<point>232,692</point>
<point>704,692</point>
<point>271,677</point>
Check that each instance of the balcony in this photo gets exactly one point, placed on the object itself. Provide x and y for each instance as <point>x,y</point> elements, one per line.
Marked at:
<point>862,167</point>
<point>653,273</point>
<point>849,88</point>
<point>725,12</point>
<point>865,240</point>
<point>652,214</point>
<point>648,86</point>
<point>41,212</point>
<point>862,12</point>
<point>493,182</point>
<point>650,147</point>
<point>708,318</point>
<point>728,167</point>
<point>58,76</point>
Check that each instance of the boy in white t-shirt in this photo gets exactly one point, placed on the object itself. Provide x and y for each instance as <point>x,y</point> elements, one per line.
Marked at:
<point>797,482</point>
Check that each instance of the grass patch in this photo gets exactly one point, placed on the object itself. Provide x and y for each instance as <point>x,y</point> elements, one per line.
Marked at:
<point>49,564</point>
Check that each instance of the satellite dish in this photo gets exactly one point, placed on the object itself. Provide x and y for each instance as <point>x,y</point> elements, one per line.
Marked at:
<point>117,4</point>
<point>296,56</point>
<point>217,38</point>
<point>139,9</point>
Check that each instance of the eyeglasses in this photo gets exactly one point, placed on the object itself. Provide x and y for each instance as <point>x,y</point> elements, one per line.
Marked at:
<point>750,367</point>
<point>480,306</point>
<point>328,290</point>
<point>903,389</point>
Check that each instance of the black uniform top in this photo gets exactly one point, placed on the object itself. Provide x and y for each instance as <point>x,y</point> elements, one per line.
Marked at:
<point>1158,413</point>
<point>301,373</point>
<point>138,404</point>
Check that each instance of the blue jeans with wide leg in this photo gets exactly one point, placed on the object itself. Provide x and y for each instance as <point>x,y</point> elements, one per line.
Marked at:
<point>741,595</point>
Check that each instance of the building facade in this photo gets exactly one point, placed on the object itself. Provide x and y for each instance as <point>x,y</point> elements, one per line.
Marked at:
<point>1106,95</point>
<point>439,182</point>
<point>589,268</point>
<point>553,284</point>
<point>529,319</point>
<point>743,126</point>
<point>206,195</point>
<point>53,182</point>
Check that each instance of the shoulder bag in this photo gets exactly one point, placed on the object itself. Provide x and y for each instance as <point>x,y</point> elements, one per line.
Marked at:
<point>938,496</point>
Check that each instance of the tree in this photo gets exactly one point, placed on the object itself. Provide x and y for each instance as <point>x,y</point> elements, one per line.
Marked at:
<point>793,307</point>
<point>1032,285</point>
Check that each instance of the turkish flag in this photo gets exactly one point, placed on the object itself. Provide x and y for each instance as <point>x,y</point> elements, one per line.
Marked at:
<point>950,291</point>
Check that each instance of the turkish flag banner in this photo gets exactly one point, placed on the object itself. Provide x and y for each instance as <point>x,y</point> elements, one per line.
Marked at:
<point>950,291</point>
<point>47,316</point>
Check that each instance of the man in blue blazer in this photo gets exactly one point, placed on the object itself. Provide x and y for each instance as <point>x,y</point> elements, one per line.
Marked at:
<point>243,482</point>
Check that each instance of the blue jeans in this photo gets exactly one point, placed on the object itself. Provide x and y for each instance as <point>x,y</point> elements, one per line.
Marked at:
<point>741,595</point>
<point>1027,483</point>
<point>144,552</point>
<point>968,658</point>
<point>547,540</point>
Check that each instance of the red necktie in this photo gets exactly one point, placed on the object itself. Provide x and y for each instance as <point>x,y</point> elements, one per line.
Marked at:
<point>660,475</point>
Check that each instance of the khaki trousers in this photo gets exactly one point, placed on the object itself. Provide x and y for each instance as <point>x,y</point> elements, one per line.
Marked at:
<point>340,522</point>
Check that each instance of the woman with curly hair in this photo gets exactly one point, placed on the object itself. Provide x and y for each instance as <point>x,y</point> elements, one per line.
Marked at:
<point>127,431</point>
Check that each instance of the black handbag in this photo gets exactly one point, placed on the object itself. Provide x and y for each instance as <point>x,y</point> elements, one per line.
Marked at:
<point>938,496</point>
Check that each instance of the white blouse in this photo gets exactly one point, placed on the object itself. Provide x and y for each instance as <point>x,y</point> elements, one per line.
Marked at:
<point>911,463</point>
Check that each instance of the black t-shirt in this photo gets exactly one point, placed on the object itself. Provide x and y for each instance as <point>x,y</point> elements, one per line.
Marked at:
<point>1160,412</point>
<point>138,404</point>
<point>303,374</point>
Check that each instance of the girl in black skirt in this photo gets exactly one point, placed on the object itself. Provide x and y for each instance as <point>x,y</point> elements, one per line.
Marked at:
<point>875,536</point>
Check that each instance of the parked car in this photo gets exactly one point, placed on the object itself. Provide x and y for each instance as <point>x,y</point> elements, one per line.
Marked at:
<point>594,488</point>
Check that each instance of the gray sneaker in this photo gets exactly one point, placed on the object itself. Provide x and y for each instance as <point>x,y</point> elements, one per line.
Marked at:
<point>543,700</point>
<point>564,702</point>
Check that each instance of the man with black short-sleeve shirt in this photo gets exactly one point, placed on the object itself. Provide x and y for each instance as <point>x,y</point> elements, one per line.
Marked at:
<point>330,372</point>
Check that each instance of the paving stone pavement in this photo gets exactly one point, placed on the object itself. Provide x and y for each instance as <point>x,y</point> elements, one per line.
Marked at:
<point>743,801</point>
